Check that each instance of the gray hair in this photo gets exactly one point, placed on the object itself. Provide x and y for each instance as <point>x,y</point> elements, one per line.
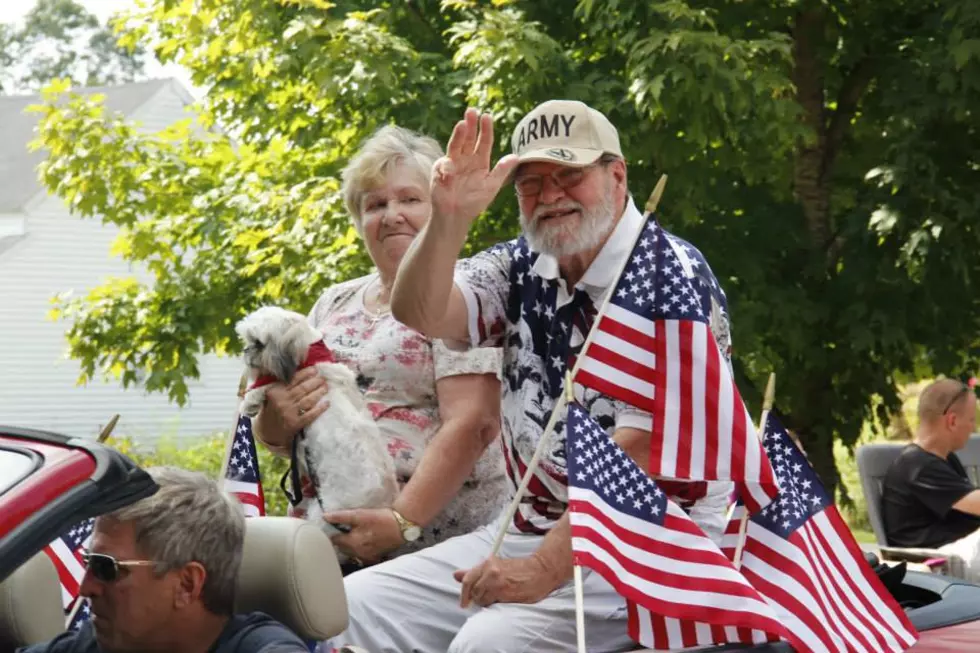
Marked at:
<point>387,147</point>
<point>189,519</point>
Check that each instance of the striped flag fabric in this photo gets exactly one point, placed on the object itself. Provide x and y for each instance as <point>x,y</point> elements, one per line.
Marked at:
<point>653,348</point>
<point>701,428</point>
<point>729,539</point>
<point>619,360</point>
<point>241,477</point>
<point>680,589</point>
<point>65,552</point>
<point>801,556</point>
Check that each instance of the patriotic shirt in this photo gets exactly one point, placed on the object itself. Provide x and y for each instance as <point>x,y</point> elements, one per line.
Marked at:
<point>518,301</point>
<point>397,370</point>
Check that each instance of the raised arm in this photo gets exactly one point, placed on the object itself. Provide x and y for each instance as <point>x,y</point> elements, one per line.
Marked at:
<point>463,185</point>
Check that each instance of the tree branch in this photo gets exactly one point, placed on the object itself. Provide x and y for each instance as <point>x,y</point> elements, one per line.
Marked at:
<point>855,83</point>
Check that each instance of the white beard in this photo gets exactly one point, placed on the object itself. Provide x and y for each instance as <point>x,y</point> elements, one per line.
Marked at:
<point>342,451</point>
<point>565,240</point>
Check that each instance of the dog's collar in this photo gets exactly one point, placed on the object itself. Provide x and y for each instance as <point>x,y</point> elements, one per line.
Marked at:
<point>317,353</point>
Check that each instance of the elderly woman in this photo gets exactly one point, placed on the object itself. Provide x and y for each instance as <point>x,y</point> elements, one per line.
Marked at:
<point>438,406</point>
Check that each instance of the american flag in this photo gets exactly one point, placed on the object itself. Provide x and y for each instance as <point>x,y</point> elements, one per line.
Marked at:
<point>65,552</point>
<point>680,589</point>
<point>81,613</point>
<point>801,556</point>
<point>619,361</point>
<point>654,348</point>
<point>242,477</point>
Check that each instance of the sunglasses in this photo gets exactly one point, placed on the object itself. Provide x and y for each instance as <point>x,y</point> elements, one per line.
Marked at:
<point>106,569</point>
<point>962,391</point>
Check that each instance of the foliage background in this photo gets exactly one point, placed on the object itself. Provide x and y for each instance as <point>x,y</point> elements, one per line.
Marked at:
<point>205,454</point>
<point>822,154</point>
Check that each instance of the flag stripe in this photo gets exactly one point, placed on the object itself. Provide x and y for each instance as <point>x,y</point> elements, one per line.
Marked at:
<point>681,346</point>
<point>680,588</point>
<point>620,343</point>
<point>669,565</point>
<point>863,598</point>
<point>803,559</point>
<point>830,598</point>
<point>69,567</point>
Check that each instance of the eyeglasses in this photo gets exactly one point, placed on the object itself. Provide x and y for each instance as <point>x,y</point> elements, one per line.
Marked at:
<point>530,185</point>
<point>106,569</point>
<point>962,391</point>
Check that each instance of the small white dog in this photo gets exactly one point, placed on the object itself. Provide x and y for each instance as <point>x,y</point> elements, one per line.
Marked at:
<point>342,450</point>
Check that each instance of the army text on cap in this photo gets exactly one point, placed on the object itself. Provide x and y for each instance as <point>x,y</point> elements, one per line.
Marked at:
<point>544,126</point>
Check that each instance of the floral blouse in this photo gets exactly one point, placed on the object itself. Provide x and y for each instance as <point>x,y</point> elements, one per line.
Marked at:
<point>397,369</point>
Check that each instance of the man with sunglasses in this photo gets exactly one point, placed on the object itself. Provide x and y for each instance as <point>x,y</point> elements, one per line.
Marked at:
<point>160,577</point>
<point>535,297</point>
<point>927,499</point>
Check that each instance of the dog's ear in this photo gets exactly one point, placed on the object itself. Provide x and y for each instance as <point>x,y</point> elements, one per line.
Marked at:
<point>281,360</point>
<point>290,350</point>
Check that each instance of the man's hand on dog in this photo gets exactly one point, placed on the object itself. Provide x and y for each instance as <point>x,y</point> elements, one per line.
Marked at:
<point>374,532</point>
<point>293,407</point>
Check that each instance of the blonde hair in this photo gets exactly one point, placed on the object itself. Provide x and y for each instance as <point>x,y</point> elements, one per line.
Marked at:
<point>387,147</point>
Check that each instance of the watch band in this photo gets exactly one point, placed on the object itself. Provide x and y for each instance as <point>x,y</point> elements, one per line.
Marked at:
<point>410,530</point>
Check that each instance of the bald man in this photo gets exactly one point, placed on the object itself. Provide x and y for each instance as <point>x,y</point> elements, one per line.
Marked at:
<point>928,500</point>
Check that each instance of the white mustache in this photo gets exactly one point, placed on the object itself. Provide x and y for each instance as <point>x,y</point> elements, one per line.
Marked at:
<point>564,205</point>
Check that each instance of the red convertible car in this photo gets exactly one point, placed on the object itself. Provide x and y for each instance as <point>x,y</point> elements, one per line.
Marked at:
<point>49,482</point>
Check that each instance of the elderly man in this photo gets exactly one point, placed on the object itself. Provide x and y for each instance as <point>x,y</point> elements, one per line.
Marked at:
<point>161,576</point>
<point>535,297</point>
<point>927,499</point>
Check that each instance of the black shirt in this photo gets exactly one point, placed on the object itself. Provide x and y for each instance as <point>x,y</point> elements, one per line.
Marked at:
<point>917,499</point>
<point>251,633</point>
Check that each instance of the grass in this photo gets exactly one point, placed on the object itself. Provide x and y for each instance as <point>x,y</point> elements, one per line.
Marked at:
<point>863,536</point>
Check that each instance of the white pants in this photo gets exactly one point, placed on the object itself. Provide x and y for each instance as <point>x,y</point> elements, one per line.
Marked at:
<point>411,605</point>
<point>968,549</point>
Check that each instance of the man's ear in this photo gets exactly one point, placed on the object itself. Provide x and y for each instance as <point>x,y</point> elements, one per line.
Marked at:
<point>190,584</point>
<point>618,168</point>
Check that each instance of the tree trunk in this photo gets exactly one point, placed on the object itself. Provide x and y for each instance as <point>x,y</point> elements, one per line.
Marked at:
<point>820,453</point>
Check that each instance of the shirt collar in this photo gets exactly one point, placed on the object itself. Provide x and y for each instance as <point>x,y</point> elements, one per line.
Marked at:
<point>603,268</point>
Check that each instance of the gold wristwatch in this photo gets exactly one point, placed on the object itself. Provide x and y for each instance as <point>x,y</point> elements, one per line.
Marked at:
<point>410,530</point>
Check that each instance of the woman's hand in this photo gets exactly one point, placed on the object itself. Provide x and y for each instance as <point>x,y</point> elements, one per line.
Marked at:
<point>374,532</point>
<point>290,408</point>
<point>463,185</point>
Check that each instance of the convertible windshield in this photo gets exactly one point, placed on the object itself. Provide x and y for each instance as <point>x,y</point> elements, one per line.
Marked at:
<point>14,466</point>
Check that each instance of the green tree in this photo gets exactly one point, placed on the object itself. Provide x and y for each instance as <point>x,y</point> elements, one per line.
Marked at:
<point>822,154</point>
<point>61,39</point>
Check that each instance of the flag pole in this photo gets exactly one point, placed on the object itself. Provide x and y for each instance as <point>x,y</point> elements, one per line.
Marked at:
<point>569,395</point>
<point>107,429</point>
<point>767,402</point>
<point>651,206</point>
<point>73,612</point>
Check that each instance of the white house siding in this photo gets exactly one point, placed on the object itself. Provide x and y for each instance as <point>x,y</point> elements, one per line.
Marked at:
<point>60,252</point>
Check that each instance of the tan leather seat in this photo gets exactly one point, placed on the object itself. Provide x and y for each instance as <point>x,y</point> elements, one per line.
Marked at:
<point>290,572</point>
<point>30,604</point>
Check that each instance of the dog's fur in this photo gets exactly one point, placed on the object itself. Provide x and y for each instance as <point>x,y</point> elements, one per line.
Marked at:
<point>344,453</point>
